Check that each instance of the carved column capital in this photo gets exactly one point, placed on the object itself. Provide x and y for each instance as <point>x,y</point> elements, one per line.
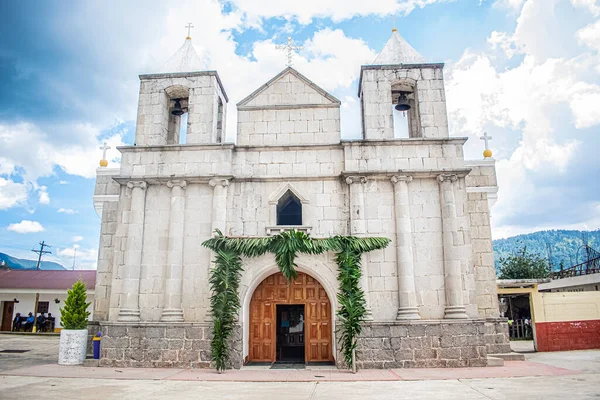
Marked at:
<point>401,178</point>
<point>356,179</point>
<point>177,183</point>
<point>447,178</point>
<point>137,184</point>
<point>219,182</point>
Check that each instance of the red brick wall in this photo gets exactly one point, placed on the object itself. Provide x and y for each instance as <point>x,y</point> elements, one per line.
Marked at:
<point>572,335</point>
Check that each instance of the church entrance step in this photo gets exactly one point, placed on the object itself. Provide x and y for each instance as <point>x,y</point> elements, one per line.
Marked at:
<point>510,356</point>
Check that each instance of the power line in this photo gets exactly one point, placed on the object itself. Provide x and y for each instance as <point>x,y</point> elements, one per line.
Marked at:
<point>41,252</point>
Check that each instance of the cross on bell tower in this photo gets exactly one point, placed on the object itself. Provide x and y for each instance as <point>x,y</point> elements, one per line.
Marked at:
<point>289,48</point>
<point>189,27</point>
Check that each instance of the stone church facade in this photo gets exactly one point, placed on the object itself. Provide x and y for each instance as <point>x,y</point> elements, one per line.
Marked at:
<point>431,294</point>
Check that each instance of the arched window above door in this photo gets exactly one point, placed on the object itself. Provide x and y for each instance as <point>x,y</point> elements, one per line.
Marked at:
<point>289,209</point>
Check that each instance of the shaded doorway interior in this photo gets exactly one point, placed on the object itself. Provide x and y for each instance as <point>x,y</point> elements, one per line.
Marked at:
<point>7,315</point>
<point>290,333</point>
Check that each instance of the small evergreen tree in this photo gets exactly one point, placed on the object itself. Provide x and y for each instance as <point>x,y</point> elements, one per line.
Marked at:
<point>523,266</point>
<point>74,315</point>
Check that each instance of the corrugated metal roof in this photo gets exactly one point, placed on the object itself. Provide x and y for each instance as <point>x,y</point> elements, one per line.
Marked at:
<point>60,280</point>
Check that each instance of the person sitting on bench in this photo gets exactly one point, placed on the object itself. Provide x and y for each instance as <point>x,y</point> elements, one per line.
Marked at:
<point>41,323</point>
<point>28,324</point>
<point>17,322</point>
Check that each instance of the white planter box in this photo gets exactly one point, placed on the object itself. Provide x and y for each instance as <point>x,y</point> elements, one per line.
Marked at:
<point>72,346</point>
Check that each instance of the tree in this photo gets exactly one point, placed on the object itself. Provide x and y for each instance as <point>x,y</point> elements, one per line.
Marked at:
<point>521,265</point>
<point>74,315</point>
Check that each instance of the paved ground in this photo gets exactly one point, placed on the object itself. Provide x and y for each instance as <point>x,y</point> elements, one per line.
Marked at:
<point>572,375</point>
<point>40,350</point>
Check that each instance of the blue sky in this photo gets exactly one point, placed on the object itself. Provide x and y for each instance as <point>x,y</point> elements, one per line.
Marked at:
<point>526,71</point>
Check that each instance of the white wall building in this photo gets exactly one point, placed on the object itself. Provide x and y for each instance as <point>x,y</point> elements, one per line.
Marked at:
<point>18,289</point>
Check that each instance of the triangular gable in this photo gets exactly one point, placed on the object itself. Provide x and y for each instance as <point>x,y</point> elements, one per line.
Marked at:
<point>289,87</point>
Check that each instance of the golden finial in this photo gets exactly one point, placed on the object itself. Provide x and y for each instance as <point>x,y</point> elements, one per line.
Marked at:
<point>189,26</point>
<point>393,18</point>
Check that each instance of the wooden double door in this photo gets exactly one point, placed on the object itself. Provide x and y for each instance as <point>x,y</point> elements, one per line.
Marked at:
<point>305,290</point>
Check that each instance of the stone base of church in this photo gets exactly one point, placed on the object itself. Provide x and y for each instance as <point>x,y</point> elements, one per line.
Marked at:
<point>430,344</point>
<point>397,344</point>
<point>157,344</point>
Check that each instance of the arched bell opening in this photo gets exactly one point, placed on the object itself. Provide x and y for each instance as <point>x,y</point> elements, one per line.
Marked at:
<point>290,322</point>
<point>405,109</point>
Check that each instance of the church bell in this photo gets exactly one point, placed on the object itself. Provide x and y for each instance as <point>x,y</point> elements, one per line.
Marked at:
<point>403,102</point>
<point>177,110</point>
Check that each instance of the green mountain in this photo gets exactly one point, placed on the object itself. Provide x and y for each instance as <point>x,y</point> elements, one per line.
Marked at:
<point>19,263</point>
<point>558,246</point>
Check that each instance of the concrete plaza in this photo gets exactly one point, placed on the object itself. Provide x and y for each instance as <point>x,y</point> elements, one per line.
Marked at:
<point>575,375</point>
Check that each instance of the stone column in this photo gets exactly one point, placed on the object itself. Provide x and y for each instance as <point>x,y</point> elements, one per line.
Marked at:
<point>173,311</point>
<point>455,308</point>
<point>129,307</point>
<point>358,227</point>
<point>407,299</point>
<point>219,204</point>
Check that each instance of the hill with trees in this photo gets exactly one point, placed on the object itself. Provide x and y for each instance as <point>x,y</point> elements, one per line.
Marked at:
<point>558,246</point>
<point>19,263</point>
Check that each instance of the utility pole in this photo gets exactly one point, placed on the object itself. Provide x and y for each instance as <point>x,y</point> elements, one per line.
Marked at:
<point>74,254</point>
<point>40,253</point>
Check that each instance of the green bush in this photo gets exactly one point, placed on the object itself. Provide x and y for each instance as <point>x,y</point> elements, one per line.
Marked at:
<point>74,314</point>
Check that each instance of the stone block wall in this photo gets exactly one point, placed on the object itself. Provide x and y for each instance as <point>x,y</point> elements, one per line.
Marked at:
<point>179,345</point>
<point>375,91</point>
<point>405,154</point>
<point>496,336</point>
<point>430,344</point>
<point>418,344</point>
<point>288,127</point>
<point>481,184</point>
<point>180,161</point>
<point>106,203</point>
<point>297,161</point>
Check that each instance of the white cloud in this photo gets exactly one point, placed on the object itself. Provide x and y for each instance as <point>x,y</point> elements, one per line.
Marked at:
<point>534,109</point>
<point>592,5</point>
<point>77,238</point>
<point>63,182</point>
<point>338,10</point>
<point>512,4</point>
<point>505,42</point>
<point>81,258</point>
<point>33,149</point>
<point>590,36</point>
<point>12,193</point>
<point>26,226</point>
<point>43,196</point>
<point>67,211</point>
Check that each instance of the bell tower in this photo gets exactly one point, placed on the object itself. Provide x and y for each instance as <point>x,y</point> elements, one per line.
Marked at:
<point>185,93</point>
<point>400,81</point>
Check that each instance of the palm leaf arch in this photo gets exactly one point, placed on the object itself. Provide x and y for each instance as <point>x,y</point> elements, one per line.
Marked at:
<point>226,275</point>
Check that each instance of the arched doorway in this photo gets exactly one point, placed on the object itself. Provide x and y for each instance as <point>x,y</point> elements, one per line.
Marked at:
<point>286,319</point>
